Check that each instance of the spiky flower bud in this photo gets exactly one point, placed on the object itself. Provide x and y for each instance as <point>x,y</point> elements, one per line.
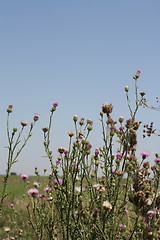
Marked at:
<point>121,119</point>
<point>126,88</point>
<point>75,118</point>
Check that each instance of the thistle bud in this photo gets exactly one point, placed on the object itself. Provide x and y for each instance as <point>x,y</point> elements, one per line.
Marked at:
<point>126,88</point>
<point>75,118</point>
<point>121,119</point>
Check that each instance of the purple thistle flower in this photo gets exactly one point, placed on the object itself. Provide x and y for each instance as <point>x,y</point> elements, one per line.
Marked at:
<point>151,213</point>
<point>36,117</point>
<point>157,160</point>
<point>119,155</point>
<point>144,154</point>
<point>122,226</point>
<point>55,104</point>
<point>24,176</point>
<point>48,189</point>
<point>33,192</point>
<point>60,181</point>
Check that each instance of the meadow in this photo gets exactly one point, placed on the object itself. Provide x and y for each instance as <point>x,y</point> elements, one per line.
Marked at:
<point>102,193</point>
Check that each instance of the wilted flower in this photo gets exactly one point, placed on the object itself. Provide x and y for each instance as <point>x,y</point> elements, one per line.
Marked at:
<point>24,124</point>
<point>36,184</point>
<point>71,134</point>
<point>45,129</point>
<point>107,205</point>
<point>7,229</point>
<point>107,108</point>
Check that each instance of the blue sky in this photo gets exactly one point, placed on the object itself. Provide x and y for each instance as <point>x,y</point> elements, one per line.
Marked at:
<point>79,53</point>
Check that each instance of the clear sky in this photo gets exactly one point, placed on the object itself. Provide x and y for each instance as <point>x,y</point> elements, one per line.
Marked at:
<point>79,53</point>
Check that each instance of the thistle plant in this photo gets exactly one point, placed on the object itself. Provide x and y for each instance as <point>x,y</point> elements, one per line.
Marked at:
<point>15,147</point>
<point>102,193</point>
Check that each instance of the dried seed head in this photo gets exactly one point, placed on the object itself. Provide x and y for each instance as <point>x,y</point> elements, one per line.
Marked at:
<point>142,93</point>
<point>107,108</point>
<point>45,129</point>
<point>107,205</point>
<point>71,134</point>
<point>24,124</point>
<point>119,172</point>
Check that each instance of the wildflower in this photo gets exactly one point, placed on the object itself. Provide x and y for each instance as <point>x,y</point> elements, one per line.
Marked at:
<point>107,205</point>
<point>144,154</point>
<point>55,181</point>
<point>151,213</point>
<point>36,171</point>
<point>107,108</point>
<point>157,160</point>
<point>12,205</point>
<point>96,152</point>
<point>121,128</point>
<point>126,210</point>
<point>24,176</point>
<point>119,155</point>
<point>137,75</point>
<point>128,122</point>
<point>88,146</point>
<point>89,121</point>
<point>36,117</point>
<point>9,109</point>
<point>122,226</point>
<point>33,192</point>
<point>55,104</point>
<point>81,122</point>
<point>40,196</point>
<point>58,161</point>
<point>48,189</point>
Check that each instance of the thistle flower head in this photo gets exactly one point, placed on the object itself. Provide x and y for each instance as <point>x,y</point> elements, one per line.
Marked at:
<point>107,108</point>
